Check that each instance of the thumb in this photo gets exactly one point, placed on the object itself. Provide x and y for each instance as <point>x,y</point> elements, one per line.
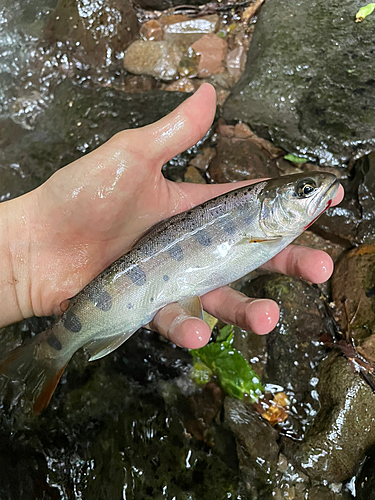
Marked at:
<point>183,127</point>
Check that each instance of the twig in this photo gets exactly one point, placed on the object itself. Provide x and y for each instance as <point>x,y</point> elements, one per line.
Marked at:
<point>251,10</point>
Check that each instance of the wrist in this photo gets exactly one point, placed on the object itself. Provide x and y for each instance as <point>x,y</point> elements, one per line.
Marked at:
<point>15,289</point>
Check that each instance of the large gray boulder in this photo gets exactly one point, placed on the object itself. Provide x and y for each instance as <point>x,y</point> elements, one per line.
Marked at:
<point>309,79</point>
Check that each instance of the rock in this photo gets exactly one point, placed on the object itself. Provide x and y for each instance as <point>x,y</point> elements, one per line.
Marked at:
<point>241,156</point>
<point>257,447</point>
<point>202,161</point>
<point>97,33</point>
<point>77,121</point>
<point>182,85</point>
<point>235,61</point>
<point>324,493</point>
<point>157,59</point>
<point>344,428</point>
<point>152,30</point>
<point>308,82</point>
<point>198,25</point>
<point>293,350</point>
<point>165,4</point>
<point>192,174</point>
<point>184,31</point>
<point>365,481</point>
<point>365,173</point>
<point>188,66</point>
<point>309,239</point>
<point>353,291</point>
<point>212,51</point>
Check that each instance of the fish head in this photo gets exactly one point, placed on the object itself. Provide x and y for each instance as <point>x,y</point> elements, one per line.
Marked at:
<point>290,204</point>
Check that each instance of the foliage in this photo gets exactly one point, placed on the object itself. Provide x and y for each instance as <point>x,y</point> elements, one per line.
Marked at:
<point>222,360</point>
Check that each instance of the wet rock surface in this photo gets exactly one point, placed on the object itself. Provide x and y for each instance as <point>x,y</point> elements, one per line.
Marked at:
<point>241,155</point>
<point>365,483</point>
<point>257,448</point>
<point>62,134</point>
<point>294,340</point>
<point>111,421</point>
<point>159,59</point>
<point>353,291</point>
<point>96,32</point>
<point>308,83</point>
<point>344,427</point>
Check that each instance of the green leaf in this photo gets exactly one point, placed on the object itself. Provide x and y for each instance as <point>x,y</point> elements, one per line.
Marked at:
<point>232,370</point>
<point>364,12</point>
<point>224,333</point>
<point>295,159</point>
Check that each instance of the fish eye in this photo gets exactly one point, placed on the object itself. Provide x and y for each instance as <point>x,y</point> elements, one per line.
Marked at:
<point>305,188</point>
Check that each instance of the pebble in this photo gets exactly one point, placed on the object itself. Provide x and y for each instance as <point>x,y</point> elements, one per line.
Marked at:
<point>212,51</point>
<point>205,24</point>
<point>152,30</point>
<point>235,61</point>
<point>193,175</point>
<point>155,58</point>
<point>182,85</point>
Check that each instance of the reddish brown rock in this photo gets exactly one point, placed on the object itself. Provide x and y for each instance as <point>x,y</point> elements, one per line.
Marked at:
<point>96,32</point>
<point>152,30</point>
<point>242,155</point>
<point>212,51</point>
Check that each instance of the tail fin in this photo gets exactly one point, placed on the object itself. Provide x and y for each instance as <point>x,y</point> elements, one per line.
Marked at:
<point>39,376</point>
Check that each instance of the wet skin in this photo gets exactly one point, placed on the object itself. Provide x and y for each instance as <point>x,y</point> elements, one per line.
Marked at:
<point>57,238</point>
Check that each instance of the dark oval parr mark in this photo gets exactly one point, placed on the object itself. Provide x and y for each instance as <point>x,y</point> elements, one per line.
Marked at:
<point>54,342</point>
<point>137,275</point>
<point>176,252</point>
<point>203,238</point>
<point>72,322</point>
<point>229,227</point>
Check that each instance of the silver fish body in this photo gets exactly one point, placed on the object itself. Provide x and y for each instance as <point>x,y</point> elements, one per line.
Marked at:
<point>189,254</point>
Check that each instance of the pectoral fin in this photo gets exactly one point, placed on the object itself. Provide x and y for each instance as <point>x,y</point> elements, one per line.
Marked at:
<point>101,347</point>
<point>262,239</point>
<point>193,305</point>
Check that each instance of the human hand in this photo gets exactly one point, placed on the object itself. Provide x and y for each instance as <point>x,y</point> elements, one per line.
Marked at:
<point>89,213</point>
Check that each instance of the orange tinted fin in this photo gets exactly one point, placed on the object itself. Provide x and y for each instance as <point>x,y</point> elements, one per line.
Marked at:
<point>47,390</point>
<point>270,239</point>
<point>39,376</point>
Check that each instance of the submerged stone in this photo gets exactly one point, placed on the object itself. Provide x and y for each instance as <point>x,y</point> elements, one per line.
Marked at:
<point>344,428</point>
<point>97,32</point>
<point>241,155</point>
<point>61,134</point>
<point>293,350</point>
<point>309,80</point>
<point>159,59</point>
<point>353,292</point>
<point>257,447</point>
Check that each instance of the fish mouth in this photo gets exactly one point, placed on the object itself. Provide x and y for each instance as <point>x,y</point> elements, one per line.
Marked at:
<point>334,184</point>
<point>330,190</point>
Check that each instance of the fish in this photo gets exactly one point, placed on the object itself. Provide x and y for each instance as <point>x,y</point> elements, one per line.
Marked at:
<point>177,260</point>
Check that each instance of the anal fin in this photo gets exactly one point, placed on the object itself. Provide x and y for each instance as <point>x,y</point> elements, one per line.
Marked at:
<point>99,348</point>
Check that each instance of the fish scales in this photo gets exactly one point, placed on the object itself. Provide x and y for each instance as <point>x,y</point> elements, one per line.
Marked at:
<point>192,275</point>
<point>188,254</point>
